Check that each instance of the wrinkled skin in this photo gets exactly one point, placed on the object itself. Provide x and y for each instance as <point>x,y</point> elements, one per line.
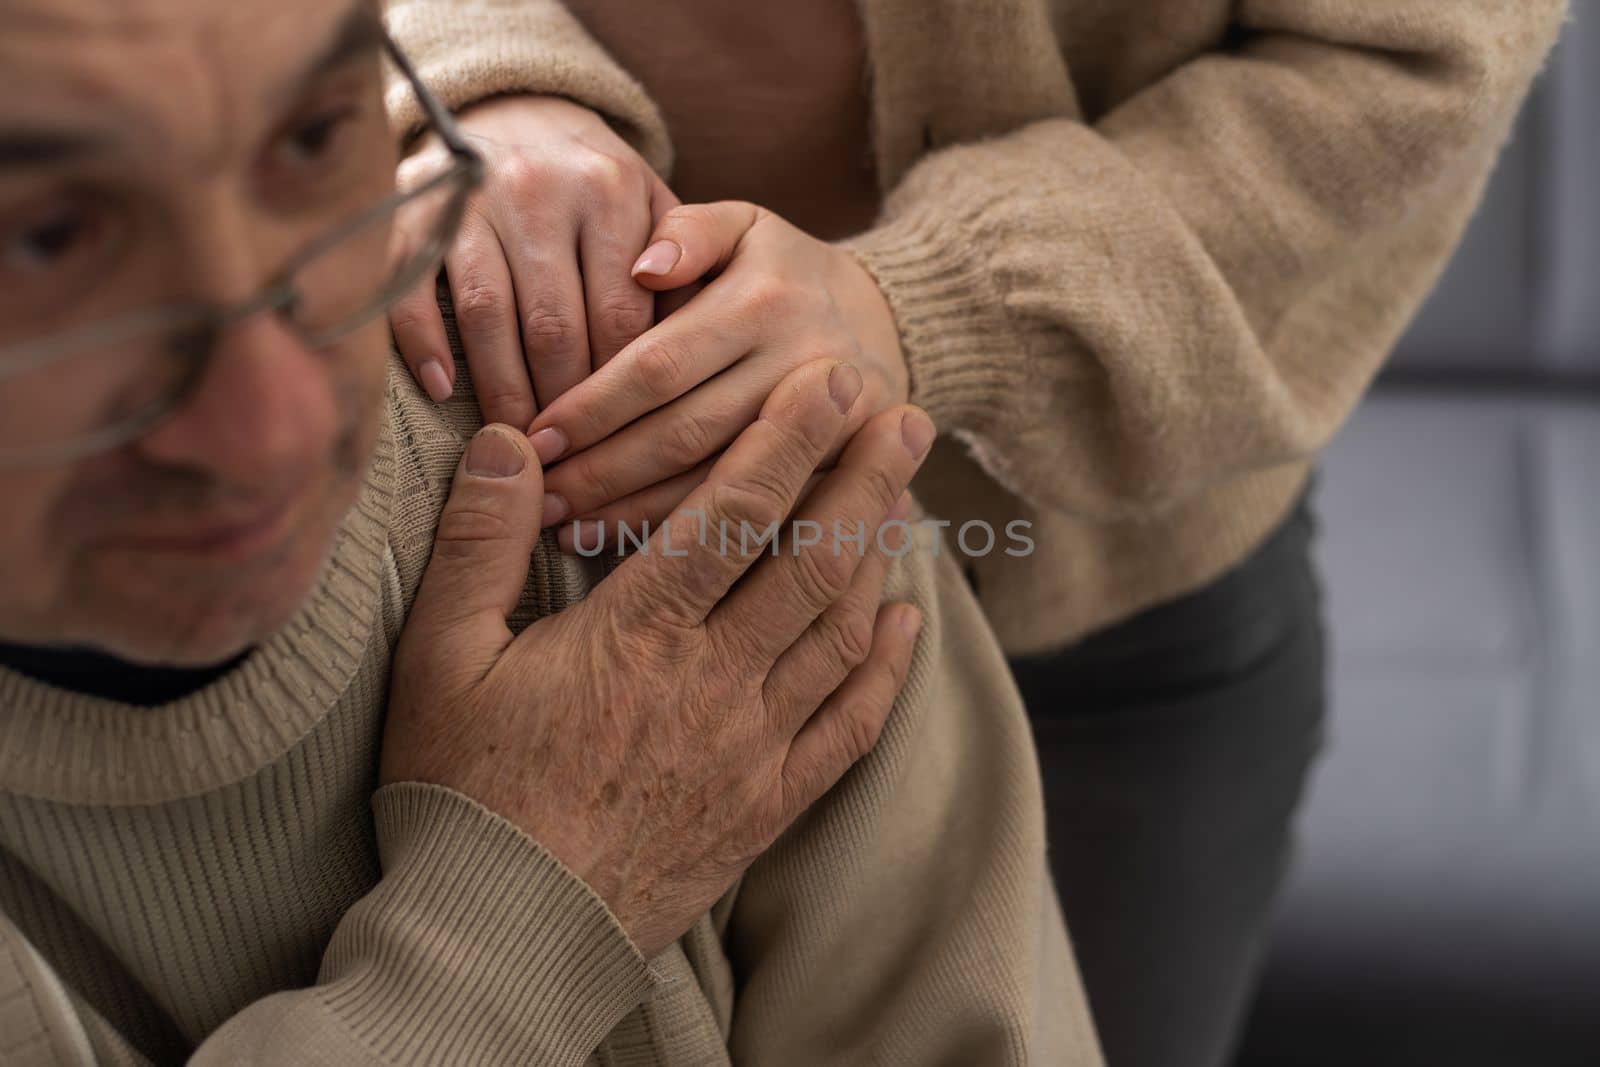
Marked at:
<point>686,732</point>
<point>208,161</point>
<point>656,736</point>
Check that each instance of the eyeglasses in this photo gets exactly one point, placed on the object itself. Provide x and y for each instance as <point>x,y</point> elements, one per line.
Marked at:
<point>117,378</point>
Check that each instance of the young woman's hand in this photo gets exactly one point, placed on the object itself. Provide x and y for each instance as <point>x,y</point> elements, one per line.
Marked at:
<point>632,440</point>
<point>540,272</point>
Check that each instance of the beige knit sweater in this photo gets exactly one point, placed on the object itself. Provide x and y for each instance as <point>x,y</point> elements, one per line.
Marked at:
<point>1145,254</point>
<point>215,874</point>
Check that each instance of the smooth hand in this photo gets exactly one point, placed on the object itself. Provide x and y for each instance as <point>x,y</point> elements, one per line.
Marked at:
<point>636,437</point>
<point>659,735</point>
<point>539,273</point>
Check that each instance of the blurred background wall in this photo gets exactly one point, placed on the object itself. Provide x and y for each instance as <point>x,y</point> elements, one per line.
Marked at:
<point>1445,905</point>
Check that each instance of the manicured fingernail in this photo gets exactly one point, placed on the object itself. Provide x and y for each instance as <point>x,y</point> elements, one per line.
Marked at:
<point>658,259</point>
<point>910,621</point>
<point>494,455</point>
<point>916,430</point>
<point>555,508</point>
<point>435,382</point>
<point>844,385</point>
<point>549,444</point>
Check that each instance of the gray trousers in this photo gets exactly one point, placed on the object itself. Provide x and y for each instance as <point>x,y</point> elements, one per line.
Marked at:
<point>1175,748</point>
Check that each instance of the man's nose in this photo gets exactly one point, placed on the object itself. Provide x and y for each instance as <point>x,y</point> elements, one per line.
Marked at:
<point>265,410</point>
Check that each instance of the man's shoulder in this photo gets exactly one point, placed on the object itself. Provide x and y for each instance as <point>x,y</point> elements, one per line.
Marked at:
<point>428,441</point>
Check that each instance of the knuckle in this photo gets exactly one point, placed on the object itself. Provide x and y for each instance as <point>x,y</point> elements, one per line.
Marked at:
<point>549,323</point>
<point>689,439</point>
<point>855,730</point>
<point>623,315</point>
<point>651,614</point>
<point>884,484</point>
<point>771,297</point>
<point>801,442</point>
<point>738,657</point>
<point>861,725</point>
<point>850,632</point>
<point>463,529</point>
<point>480,303</point>
<point>690,216</point>
<point>663,366</point>
<point>520,172</point>
<point>405,317</point>
<point>602,171</point>
<point>720,682</point>
<point>749,501</point>
<point>821,575</point>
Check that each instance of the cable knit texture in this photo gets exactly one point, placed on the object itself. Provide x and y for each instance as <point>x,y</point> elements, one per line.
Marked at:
<point>1145,257</point>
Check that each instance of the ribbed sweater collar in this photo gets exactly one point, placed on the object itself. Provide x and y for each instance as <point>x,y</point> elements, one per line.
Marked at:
<point>77,749</point>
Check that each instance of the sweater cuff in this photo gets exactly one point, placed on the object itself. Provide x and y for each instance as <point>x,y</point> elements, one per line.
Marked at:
<point>966,359</point>
<point>466,51</point>
<point>477,938</point>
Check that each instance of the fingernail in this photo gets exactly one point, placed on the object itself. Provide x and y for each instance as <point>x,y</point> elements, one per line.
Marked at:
<point>555,508</point>
<point>494,455</point>
<point>435,382</point>
<point>910,622</point>
<point>916,430</point>
<point>658,259</point>
<point>549,445</point>
<point>588,535</point>
<point>844,385</point>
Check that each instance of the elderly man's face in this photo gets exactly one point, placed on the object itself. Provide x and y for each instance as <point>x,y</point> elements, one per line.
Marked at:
<point>155,152</point>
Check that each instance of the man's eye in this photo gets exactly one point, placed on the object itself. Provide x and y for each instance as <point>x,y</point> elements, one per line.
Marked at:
<point>317,142</point>
<point>39,244</point>
<point>311,141</point>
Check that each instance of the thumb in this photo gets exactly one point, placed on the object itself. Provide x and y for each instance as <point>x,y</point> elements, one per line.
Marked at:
<point>692,241</point>
<point>485,537</point>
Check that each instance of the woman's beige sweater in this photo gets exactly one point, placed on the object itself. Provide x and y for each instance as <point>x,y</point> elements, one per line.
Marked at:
<point>1145,255</point>
<point>215,876</point>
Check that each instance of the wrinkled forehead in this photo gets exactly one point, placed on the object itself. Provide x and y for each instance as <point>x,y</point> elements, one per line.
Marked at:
<point>180,78</point>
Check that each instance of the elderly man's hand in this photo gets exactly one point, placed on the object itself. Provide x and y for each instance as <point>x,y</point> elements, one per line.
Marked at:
<point>540,271</point>
<point>660,734</point>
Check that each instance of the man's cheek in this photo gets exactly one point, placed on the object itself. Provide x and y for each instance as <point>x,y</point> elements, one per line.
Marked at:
<point>34,562</point>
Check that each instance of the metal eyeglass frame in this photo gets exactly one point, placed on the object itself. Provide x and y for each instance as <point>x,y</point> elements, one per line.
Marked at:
<point>195,328</point>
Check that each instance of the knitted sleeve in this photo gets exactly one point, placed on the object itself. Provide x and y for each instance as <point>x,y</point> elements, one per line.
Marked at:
<point>469,50</point>
<point>908,917</point>
<point>1116,316</point>
<point>476,946</point>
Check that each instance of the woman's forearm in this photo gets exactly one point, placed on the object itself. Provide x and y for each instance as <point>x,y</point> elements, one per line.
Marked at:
<point>1118,316</point>
<point>470,50</point>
